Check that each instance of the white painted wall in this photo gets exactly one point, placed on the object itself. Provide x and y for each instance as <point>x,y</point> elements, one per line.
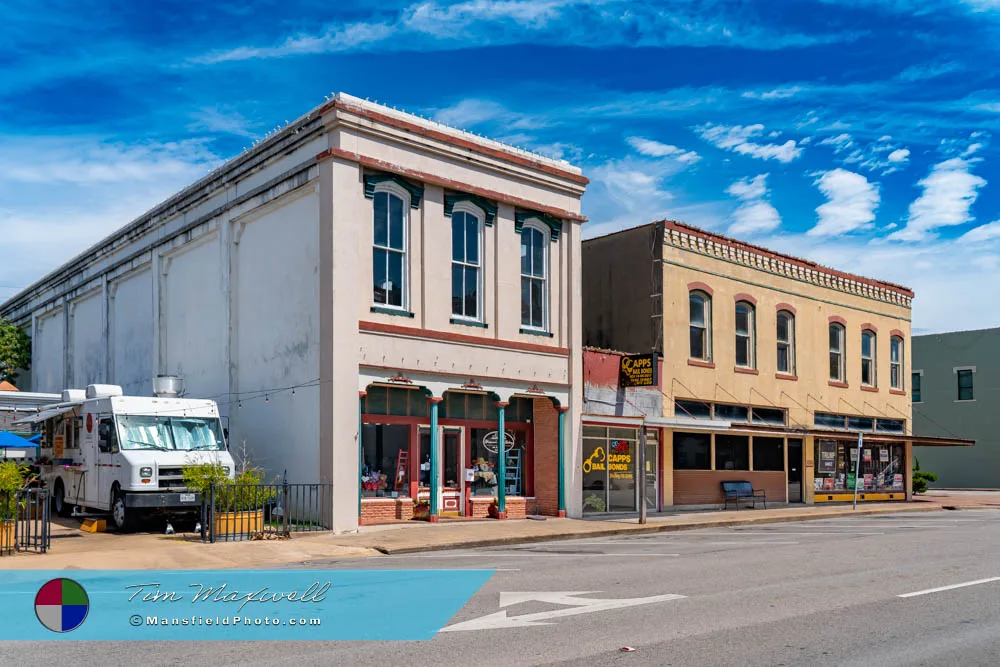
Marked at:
<point>276,336</point>
<point>48,353</point>
<point>88,364</point>
<point>130,314</point>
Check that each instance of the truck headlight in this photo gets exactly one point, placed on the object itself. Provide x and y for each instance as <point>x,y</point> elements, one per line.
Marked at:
<point>145,472</point>
<point>226,470</point>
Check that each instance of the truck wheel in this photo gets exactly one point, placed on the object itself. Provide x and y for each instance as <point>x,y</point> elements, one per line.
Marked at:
<point>59,500</point>
<point>123,518</point>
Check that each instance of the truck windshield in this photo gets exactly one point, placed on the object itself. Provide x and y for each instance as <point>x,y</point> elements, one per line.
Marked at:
<point>170,433</point>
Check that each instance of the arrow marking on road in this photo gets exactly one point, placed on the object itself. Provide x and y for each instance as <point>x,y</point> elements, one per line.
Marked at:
<point>576,605</point>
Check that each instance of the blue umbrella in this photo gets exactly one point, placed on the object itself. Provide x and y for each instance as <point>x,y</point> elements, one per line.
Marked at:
<point>8,439</point>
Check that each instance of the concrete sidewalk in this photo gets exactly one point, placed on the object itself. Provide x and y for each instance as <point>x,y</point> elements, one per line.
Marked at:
<point>73,549</point>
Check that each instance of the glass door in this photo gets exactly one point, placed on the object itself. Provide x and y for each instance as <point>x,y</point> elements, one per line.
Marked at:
<point>652,468</point>
<point>451,457</point>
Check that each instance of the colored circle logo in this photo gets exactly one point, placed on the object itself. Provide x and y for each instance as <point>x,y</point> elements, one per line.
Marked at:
<point>61,605</point>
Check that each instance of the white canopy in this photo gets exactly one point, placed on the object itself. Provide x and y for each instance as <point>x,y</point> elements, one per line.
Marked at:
<point>48,413</point>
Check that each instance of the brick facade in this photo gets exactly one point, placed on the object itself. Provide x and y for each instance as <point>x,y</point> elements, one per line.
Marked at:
<point>546,444</point>
<point>385,510</point>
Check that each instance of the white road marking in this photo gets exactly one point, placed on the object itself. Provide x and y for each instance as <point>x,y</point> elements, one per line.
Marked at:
<point>523,554</point>
<point>948,588</point>
<point>500,619</point>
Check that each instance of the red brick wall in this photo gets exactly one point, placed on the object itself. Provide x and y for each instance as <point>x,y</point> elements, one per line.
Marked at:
<point>384,510</point>
<point>546,443</point>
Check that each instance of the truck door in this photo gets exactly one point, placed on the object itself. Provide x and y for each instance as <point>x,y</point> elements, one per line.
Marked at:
<point>107,459</point>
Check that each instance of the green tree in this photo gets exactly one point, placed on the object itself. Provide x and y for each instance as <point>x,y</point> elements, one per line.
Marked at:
<point>921,478</point>
<point>15,350</point>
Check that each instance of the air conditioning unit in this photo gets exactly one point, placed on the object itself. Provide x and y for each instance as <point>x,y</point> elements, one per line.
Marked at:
<point>73,395</point>
<point>169,386</point>
<point>103,390</point>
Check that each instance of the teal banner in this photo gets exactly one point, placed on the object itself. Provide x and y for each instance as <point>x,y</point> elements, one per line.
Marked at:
<point>205,605</point>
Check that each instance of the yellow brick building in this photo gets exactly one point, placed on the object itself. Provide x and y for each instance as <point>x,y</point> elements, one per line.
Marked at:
<point>772,365</point>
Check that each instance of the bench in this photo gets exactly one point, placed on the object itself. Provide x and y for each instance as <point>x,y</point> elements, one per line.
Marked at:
<point>737,491</point>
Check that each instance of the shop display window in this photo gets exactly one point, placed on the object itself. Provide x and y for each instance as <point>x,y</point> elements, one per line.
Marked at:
<point>383,471</point>
<point>882,467</point>
<point>732,452</point>
<point>768,454</point>
<point>692,451</point>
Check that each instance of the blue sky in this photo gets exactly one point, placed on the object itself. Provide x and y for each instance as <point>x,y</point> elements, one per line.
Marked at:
<point>862,134</point>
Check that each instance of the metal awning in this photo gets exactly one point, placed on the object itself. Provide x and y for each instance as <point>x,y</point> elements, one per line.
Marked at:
<point>48,413</point>
<point>689,423</point>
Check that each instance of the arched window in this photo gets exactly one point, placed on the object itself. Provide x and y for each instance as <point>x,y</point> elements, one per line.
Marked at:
<point>701,325</point>
<point>534,276</point>
<point>390,265</point>
<point>868,358</point>
<point>786,342</point>
<point>745,335</point>
<point>466,263</point>
<point>837,352</point>
<point>896,363</point>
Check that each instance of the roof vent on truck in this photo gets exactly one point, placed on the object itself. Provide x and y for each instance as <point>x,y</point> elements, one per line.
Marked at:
<point>168,386</point>
<point>103,390</point>
<point>73,395</point>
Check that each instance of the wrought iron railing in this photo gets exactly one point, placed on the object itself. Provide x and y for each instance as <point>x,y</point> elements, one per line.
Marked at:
<point>24,521</point>
<point>264,511</point>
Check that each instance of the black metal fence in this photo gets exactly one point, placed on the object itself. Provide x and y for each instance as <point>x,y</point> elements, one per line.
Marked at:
<point>24,521</point>
<point>265,511</point>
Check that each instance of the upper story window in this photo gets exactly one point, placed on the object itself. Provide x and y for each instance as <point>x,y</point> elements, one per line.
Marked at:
<point>390,264</point>
<point>915,382</point>
<point>786,342</point>
<point>837,352</point>
<point>965,383</point>
<point>868,358</point>
<point>466,264</point>
<point>896,362</point>
<point>745,335</point>
<point>701,325</point>
<point>534,276</point>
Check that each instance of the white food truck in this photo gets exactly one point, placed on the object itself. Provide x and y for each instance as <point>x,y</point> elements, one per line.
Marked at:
<point>125,455</point>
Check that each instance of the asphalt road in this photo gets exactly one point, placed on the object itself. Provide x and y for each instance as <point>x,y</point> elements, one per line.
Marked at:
<point>808,593</point>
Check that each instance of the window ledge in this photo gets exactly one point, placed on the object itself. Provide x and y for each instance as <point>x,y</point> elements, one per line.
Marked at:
<point>746,371</point>
<point>391,311</point>
<point>897,392</point>
<point>834,383</point>
<point>469,323</point>
<point>868,387</point>
<point>786,376</point>
<point>700,363</point>
<point>965,400</point>
<point>536,332</point>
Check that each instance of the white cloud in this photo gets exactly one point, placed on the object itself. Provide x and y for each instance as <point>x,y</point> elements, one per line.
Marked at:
<point>899,155</point>
<point>988,232</point>
<point>949,192</point>
<point>652,148</point>
<point>755,215</point>
<point>881,155</point>
<point>737,138</point>
<point>434,25</point>
<point>221,120</point>
<point>840,142</point>
<point>850,206</point>
<point>773,94</point>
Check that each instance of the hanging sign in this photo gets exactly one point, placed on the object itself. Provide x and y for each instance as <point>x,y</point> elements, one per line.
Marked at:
<point>638,370</point>
<point>490,441</point>
<point>883,455</point>
<point>827,456</point>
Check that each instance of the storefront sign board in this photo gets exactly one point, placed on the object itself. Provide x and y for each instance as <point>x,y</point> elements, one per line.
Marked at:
<point>638,370</point>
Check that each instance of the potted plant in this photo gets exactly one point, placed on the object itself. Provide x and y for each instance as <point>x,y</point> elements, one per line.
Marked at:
<point>12,478</point>
<point>494,510</point>
<point>238,501</point>
<point>421,510</point>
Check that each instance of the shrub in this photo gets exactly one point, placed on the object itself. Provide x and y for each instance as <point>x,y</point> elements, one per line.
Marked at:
<point>12,479</point>
<point>920,478</point>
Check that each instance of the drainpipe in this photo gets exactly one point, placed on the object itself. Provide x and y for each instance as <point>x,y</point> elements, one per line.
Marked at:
<point>434,510</point>
<point>501,461</point>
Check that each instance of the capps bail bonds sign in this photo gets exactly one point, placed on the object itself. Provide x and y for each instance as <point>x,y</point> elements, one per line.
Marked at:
<point>638,370</point>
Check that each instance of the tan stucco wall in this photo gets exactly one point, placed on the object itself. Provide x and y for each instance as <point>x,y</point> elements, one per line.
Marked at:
<point>813,305</point>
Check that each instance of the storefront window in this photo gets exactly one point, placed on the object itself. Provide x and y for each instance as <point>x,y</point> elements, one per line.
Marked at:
<point>732,413</point>
<point>384,469</point>
<point>609,469</point>
<point>692,451</point>
<point>881,469</point>
<point>768,454</point>
<point>692,409</point>
<point>732,452</point>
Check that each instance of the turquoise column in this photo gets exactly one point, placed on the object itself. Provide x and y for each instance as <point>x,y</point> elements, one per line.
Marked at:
<point>562,459</point>
<point>361,446</point>
<point>434,510</point>
<point>501,461</point>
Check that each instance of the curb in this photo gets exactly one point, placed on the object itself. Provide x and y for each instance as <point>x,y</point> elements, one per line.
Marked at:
<point>635,529</point>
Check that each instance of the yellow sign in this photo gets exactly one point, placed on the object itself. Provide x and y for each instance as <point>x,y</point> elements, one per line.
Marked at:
<point>620,460</point>
<point>638,370</point>
<point>58,443</point>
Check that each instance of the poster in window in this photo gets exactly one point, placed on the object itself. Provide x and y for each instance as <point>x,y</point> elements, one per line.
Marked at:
<point>854,454</point>
<point>869,481</point>
<point>828,484</point>
<point>868,455</point>
<point>897,481</point>
<point>827,456</point>
<point>850,480</point>
<point>818,484</point>
<point>883,455</point>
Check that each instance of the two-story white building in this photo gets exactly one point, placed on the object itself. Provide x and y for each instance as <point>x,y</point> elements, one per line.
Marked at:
<point>368,295</point>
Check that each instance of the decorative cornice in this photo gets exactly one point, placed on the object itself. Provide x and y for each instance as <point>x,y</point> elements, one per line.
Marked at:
<point>522,215</point>
<point>415,189</point>
<point>488,207</point>
<point>706,243</point>
<point>701,287</point>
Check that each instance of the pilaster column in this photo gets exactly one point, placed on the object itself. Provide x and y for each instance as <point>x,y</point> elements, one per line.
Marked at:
<point>562,460</point>
<point>501,460</point>
<point>434,510</point>
<point>361,446</point>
